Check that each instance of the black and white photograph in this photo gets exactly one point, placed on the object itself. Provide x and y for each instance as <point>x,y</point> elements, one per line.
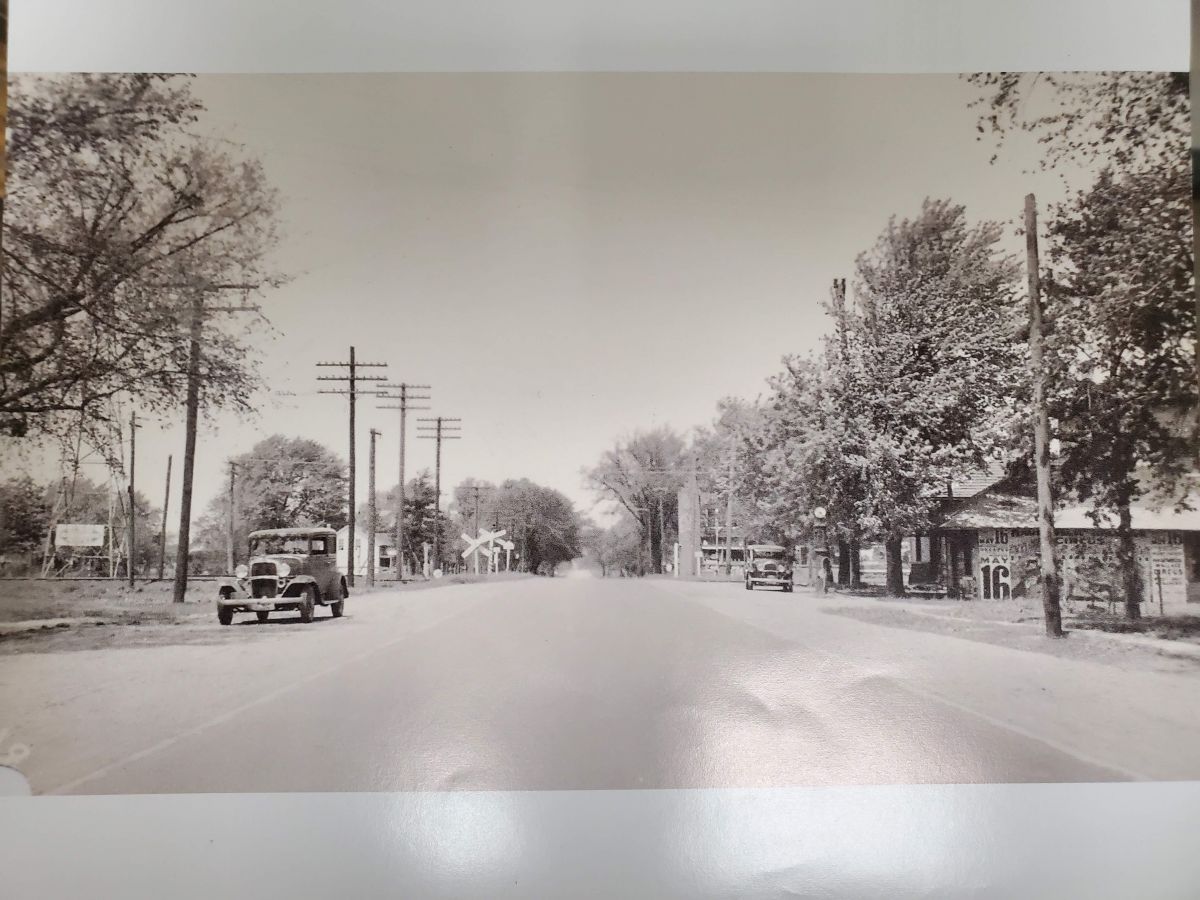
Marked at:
<point>573,431</point>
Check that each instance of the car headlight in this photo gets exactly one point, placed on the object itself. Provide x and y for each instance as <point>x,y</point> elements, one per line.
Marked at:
<point>283,570</point>
<point>241,571</point>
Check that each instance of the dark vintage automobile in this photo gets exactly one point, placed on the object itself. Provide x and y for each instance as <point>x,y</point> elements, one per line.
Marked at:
<point>768,564</point>
<point>289,568</point>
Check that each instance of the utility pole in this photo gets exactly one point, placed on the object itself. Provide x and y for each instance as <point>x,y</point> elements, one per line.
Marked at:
<point>371,512</point>
<point>199,311</point>
<point>475,489</point>
<point>1041,430</point>
<point>162,537</point>
<point>231,550</point>
<point>443,429</point>
<point>729,521</point>
<point>407,393</point>
<point>133,427</point>
<point>352,379</point>
<point>182,551</point>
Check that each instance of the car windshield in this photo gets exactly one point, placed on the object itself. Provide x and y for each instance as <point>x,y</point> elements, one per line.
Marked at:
<point>768,554</point>
<point>277,544</point>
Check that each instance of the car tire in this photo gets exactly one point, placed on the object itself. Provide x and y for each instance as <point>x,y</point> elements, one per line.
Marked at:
<point>225,615</point>
<point>787,588</point>
<point>263,614</point>
<point>749,585</point>
<point>339,607</point>
<point>308,604</point>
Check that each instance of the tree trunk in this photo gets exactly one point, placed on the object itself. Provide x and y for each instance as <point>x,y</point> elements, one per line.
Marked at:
<point>895,567</point>
<point>655,548</point>
<point>1127,559</point>
<point>662,538</point>
<point>855,564</point>
<point>843,563</point>
<point>952,569</point>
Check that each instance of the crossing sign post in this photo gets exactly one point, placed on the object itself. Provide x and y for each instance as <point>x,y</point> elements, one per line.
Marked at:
<point>475,546</point>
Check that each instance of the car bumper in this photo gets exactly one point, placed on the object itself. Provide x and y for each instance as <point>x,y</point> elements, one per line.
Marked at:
<point>239,598</point>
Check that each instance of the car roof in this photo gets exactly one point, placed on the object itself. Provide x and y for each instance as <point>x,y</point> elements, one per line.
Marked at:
<point>293,532</point>
<point>766,547</point>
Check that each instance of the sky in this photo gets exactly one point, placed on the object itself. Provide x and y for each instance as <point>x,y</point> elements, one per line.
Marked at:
<point>566,258</point>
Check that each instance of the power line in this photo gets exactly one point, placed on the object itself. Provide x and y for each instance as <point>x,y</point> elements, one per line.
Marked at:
<point>407,392</point>
<point>443,429</point>
<point>371,513</point>
<point>352,379</point>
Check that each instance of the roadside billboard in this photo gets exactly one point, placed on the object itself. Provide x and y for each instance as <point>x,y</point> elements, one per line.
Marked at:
<point>79,535</point>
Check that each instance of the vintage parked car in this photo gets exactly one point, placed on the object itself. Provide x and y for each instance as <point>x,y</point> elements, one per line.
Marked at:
<point>289,568</point>
<point>768,564</point>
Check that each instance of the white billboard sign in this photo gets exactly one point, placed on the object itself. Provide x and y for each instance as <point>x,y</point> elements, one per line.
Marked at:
<point>79,535</point>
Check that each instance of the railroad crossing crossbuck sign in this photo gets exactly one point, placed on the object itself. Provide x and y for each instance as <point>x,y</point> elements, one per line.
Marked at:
<point>476,546</point>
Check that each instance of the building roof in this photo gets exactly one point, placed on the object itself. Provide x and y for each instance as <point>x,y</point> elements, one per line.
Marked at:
<point>974,483</point>
<point>293,532</point>
<point>995,509</point>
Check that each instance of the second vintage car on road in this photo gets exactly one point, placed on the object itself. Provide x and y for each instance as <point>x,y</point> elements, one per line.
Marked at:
<point>289,568</point>
<point>768,564</point>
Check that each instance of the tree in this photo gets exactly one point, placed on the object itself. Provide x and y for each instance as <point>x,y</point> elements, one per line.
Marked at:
<point>418,514</point>
<point>81,500</point>
<point>937,353</point>
<point>1126,119</point>
<point>118,220</point>
<point>807,452</point>
<point>908,392</point>
<point>617,548</point>
<point>643,475</point>
<point>467,501</point>
<point>542,523</point>
<point>24,515</point>
<point>281,482</point>
<point>718,452</point>
<point>1122,308</point>
<point>1123,387</point>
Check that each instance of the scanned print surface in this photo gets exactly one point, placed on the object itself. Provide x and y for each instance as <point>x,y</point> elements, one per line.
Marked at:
<point>597,431</point>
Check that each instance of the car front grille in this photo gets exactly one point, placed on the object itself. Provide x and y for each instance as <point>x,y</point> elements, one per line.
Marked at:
<point>262,568</point>
<point>263,587</point>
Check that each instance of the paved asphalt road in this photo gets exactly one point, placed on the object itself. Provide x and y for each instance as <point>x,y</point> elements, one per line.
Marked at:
<point>565,683</point>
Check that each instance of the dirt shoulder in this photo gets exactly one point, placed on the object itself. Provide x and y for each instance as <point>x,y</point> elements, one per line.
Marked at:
<point>1014,626</point>
<point>55,616</point>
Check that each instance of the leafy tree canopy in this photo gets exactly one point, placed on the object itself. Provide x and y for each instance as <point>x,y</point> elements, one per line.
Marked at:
<point>120,220</point>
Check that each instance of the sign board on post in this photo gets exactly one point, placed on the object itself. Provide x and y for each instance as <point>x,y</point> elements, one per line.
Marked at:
<point>79,535</point>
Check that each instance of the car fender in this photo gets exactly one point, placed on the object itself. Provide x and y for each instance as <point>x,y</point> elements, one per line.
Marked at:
<point>235,587</point>
<point>296,585</point>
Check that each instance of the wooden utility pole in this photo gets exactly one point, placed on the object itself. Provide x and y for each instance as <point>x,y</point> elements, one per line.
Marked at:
<point>1041,430</point>
<point>408,392</point>
<point>352,379</point>
<point>371,512</point>
<point>183,550</point>
<point>231,550</point>
<point>443,429</point>
<point>133,426</point>
<point>475,489</point>
<point>162,537</point>
<point>199,311</point>
<point>728,520</point>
